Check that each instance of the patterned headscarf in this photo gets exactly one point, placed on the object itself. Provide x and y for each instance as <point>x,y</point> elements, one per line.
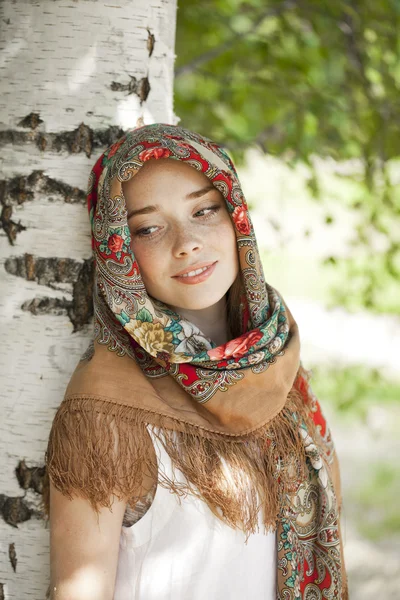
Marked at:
<point>239,420</point>
<point>155,330</point>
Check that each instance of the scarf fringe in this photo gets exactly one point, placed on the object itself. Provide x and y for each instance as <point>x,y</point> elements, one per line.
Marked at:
<point>98,449</point>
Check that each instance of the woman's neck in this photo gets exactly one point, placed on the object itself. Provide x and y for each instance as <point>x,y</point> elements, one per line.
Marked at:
<point>212,321</point>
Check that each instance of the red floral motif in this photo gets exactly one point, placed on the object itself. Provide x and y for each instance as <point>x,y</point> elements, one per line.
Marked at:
<point>115,242</point>
<point>241,221</point>
<point>154,153</point>
<point>237,347</point>
<point>115,147</point>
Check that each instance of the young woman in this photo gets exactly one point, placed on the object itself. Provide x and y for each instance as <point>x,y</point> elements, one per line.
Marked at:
<point>189,457</point>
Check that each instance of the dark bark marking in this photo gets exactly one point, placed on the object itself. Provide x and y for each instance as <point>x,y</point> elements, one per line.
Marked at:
<point>14,510</point>
<point>29,267</point>
<point>41,142</point>
<point>20,189</point>
<point>82,139</point>
<point>31,121</point>
<point>2,591</point>
<point>30,477</point>
<point>139,87</point>
<point>10,227</point>
<point>45,271</point>
<point>18,138</point>
<point>47,306</point>
<point>50,272</point>
<point>12,556</point>
<point>150,42</point>
<point>144,89</point>
<point>106,137</point>
<point>80,311</point>
<point>125,87</point>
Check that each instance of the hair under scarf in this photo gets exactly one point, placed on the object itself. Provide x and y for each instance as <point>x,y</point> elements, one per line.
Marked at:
<point>239,420</point>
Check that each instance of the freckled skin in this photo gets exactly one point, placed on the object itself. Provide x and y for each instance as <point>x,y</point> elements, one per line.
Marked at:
<point>182,233</point>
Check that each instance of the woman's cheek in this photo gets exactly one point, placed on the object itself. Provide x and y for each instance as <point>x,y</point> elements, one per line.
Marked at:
<point>149,258</point>
<point>226,232</point>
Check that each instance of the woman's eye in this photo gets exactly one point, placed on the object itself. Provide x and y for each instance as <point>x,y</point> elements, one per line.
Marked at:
<point>146,231</point>
<point>208,211</point>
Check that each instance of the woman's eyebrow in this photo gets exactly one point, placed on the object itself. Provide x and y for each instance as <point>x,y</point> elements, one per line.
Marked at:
<point>143,211</point>
<point>155,207</point>
<point>201,192</point>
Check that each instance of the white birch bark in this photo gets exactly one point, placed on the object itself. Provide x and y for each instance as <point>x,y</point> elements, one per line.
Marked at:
<point>59,60</point>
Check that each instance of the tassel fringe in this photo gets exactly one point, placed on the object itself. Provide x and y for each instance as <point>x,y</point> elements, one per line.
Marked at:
<point>98,450</point>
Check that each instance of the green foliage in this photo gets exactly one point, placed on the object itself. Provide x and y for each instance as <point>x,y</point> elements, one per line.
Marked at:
<point>357,394</point>
<point>378,514</point>
<point>303,79</point>
<point>354,390</point>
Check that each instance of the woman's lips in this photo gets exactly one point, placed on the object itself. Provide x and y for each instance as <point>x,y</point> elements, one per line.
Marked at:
<point>191,280</point>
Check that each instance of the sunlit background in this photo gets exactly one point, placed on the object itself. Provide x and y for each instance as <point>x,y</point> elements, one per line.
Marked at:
<point>306,99</point>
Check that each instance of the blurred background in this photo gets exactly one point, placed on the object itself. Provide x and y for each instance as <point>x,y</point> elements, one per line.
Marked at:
<point>305,96</point>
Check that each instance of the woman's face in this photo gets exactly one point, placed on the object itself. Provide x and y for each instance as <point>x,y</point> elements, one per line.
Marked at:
<point>182,236</point>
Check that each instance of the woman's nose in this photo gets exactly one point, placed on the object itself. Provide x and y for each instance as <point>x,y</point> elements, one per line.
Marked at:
<point>186,241</point>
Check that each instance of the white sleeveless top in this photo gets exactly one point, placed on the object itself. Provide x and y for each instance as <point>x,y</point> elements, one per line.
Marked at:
<point>179,550</point>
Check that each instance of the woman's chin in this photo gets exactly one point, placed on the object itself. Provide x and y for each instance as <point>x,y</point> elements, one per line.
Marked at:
<point>196,301</point>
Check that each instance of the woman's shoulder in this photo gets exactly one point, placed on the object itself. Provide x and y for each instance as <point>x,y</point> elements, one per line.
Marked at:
<point>96,450</point>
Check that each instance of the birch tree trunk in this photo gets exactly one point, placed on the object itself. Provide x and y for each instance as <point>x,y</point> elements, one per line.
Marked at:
<point>74,75</point>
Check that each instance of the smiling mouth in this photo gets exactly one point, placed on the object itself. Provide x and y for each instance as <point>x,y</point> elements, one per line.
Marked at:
<point>196,272</point>
<point>196,275</point>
